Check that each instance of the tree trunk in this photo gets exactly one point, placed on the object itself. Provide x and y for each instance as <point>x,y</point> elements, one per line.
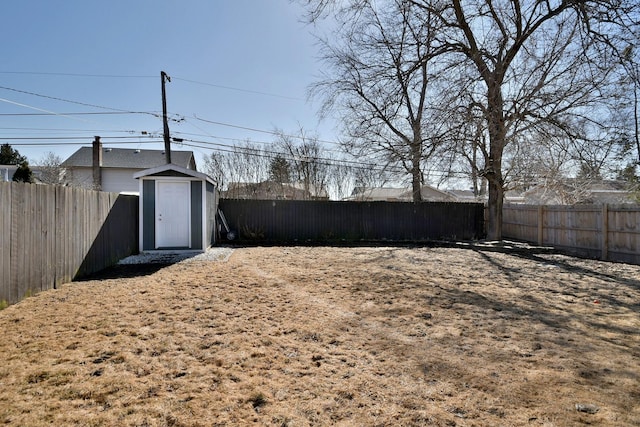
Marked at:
<point>494,210</point>
<point>416,171</point>
<point>416,186</point>
<point>493,168</point>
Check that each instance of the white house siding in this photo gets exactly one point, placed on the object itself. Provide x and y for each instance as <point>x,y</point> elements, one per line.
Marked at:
<point>120,180</point>
<point>80,177</point>
<point>113,180</point>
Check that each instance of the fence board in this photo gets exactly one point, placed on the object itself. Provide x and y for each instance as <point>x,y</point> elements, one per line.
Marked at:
<point>16,268</point>
<point>610,232</point>
<point>50,235</point>
<point>5,237</point>
<point>322,221</point>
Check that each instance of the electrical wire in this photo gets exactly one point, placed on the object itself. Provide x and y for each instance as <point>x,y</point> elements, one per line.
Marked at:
<point>37,73</point>
<point>72,102</point>
<point>207,144</point>
<point>263,131</point>
<point>213,146</point>
<point>275,95</point>
<point>333,163</point>
<point>123,76</point>
<point>44,144</point>
<point>81,113</point>
<point>68,130</point>
<point>46,138</point>
<point>38,109</point>
<point>121,111</point>
<point>273,154</point>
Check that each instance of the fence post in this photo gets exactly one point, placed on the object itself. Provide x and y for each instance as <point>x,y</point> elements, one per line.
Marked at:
<point>540,225</point>
<point>605,232</point>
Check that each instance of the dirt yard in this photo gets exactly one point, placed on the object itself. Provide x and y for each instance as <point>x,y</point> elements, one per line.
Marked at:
<point>316,336</point>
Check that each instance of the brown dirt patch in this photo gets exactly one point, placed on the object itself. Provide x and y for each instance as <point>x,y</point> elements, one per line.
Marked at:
<point>297,336</point>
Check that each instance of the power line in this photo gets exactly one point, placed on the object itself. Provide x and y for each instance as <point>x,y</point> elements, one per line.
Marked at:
<point>38,73</point>
<point>275,95</point>
<point>82,113</point>
<point>37,109</point>
<point>122,111</point>
<point>72,102</point>
<point>214,146</point>
<point>69,130</point>
<point>124,76</point>
<point>56,144</point>
<point>272,154</point>
<point>36,138</point>
<point>238,140</point>
<point>262,130</point>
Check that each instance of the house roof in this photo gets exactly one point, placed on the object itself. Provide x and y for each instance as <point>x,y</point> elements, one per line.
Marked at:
<point>270,188</point>
<point>428,193</point>
<point>378,193</point>
<point>129,158</point>
<point>573,191</point>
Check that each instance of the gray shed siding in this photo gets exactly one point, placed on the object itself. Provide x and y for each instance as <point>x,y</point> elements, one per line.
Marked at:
<point>196,215</point>
<point>148,214</point>
<point>212,209</point>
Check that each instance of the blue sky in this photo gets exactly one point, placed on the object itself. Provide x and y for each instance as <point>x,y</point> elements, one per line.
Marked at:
<point>246,63</point>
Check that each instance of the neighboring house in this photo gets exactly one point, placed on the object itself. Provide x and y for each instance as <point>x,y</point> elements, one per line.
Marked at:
<point>466,196</point>
<point>270,190</point>
<point>7,171</point>
<point>389,194</point>
<point>573,191</point>
<point>112,169</point>
<point>514,196</point>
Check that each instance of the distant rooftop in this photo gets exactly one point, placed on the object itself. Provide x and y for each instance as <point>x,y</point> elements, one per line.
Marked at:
<point>130,158</point>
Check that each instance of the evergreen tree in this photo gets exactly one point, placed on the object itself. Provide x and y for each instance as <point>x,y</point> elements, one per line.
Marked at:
<point>279,170</point>
<point>9,156</point>
<point>23,173</point>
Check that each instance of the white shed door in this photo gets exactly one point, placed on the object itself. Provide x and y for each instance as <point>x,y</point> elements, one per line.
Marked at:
<point>172,214</point>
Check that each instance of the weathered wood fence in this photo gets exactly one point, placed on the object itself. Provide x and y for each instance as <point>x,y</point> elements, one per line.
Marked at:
<point>50,235</point>
<point>297,221</point>
<point>608,232</point>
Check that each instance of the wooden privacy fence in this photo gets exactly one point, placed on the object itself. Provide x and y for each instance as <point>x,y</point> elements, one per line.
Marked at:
<point>51,235</point>
<point>608,232</point>
<point>300,221</point>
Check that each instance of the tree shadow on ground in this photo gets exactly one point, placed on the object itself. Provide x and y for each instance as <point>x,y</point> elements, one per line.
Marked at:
<point>533,253</point>
<point>534,310</point>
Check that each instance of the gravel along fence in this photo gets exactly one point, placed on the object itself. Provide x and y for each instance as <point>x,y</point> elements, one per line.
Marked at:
<point>212,254</point>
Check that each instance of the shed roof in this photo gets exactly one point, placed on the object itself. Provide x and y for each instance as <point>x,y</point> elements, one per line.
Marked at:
<point>129,158</point>
<point>159,170</point>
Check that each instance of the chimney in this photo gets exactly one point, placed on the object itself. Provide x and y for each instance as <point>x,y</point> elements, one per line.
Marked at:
<point>97,164</point>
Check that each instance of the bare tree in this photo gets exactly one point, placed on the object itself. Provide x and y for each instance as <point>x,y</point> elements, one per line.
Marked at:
<point>241,164</point>
<point>51,171</point>
<point>631,78</point>
<point>536,64</point>
<point>379,74</point>
<point>521,67</point>
<point>309,163</point>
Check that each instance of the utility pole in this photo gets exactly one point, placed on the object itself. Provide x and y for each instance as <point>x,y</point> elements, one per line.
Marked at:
<point>167,140</point>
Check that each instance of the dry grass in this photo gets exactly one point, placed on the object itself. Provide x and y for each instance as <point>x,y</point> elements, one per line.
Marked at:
<point>331,336</point>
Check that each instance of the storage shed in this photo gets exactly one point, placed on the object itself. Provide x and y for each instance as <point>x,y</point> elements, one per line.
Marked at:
<point>177,209</point>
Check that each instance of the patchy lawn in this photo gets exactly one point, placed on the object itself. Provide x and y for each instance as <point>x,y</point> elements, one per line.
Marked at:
<point>298,336</point>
